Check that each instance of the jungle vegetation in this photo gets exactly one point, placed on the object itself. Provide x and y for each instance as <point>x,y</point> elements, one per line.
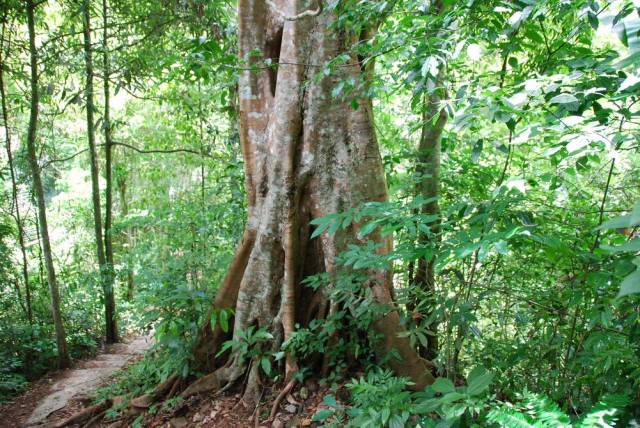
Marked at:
<point>433,202</point>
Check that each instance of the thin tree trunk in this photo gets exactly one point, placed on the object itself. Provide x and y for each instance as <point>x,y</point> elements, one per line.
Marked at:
<point>124,211</point>
<point>40,252</point>
<point>434,118</point>
<point>14,185</point>
<point>109,304</point>
<point>63,355</point>
<point>108,150</point>
<point>108,146</point>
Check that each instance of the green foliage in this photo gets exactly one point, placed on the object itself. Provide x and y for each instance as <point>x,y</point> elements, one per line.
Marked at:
<point>137,379</point>
<point>11,382</point>
<point>538,411</point>
<point>534,249</point>
<point>346,333</point>
<point>382,400</point>
<point>253,345</point>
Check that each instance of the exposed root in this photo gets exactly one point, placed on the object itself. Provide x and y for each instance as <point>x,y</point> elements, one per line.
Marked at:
<point>85,414</point>
<point>94,419</point>
<point>218,381</point>
<point>276,403</point>
<point>145,401</point>
<point>210,382</point>
<point>174,389</point>
<point>142,402</point>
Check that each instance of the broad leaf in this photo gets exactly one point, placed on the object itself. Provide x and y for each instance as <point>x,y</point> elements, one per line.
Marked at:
<point>630,285</point>
<point>443,385</point>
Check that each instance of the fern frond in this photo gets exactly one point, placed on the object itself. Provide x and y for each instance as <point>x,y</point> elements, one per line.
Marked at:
<point>507,417</point>
<point>546,411</point>
<point>602,415</point>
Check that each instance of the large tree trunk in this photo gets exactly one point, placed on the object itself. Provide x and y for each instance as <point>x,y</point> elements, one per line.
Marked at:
<point>109,301</point>
<point>63,355</point>
<point>14,184</point>
<point>306,155</point>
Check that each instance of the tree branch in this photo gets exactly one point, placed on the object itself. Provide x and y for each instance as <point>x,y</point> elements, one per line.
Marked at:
<point>306,13</point>
<point>128,146</point>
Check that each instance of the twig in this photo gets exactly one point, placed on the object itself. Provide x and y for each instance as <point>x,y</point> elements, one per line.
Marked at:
<point>306,13</point>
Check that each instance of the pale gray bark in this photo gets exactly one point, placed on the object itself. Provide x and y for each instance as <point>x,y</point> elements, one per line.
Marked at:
<point>306,155</point>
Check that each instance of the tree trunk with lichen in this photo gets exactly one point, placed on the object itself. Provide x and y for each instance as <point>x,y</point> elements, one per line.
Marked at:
<point>306,155</point>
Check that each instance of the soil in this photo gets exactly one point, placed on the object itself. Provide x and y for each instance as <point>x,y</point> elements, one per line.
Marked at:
<point>63,392</point>
<point>227,410</point>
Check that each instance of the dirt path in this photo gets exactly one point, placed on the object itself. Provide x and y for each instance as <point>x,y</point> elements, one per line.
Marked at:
<point>52,394</point>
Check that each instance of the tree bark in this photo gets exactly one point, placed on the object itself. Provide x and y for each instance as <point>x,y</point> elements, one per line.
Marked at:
<point>306,156</point>
<point>14,184</point>
<point>121,182</point>
<point>109,301</point>
<point>434,117</point>
<point>108,152</point>
<point>63,355</point>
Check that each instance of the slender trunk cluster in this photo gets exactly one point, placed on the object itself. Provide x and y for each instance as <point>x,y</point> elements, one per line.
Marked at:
<point>63,355</point>
<point>14,186</point>
<point>104,265</point>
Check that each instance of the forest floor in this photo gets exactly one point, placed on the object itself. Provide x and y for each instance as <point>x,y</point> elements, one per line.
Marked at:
<point>228,410</point>
<point>61,393</point>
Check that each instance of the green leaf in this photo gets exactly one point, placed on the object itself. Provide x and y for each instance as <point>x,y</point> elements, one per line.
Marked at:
<point>427,406</point>
<point>224,320</point>
<point>632,59</point>
<point>620,222</point>
<point>451,397</point>
<point>367,228</point>
<point>385,414</point>
<point>628,247</point>
<point>396,422</point>
<point>593,20</point>
<point>563,99</point>
<point>321,415</point>
<point>331,401</point>
<point>478,381</point>
<point>443,385</point>
<point>635,215</point>
<point>266,365</point>
<point>323,224</point>
<point>630,285</point>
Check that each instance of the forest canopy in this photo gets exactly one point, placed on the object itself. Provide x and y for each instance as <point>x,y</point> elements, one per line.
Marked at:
<point>382,213</point>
